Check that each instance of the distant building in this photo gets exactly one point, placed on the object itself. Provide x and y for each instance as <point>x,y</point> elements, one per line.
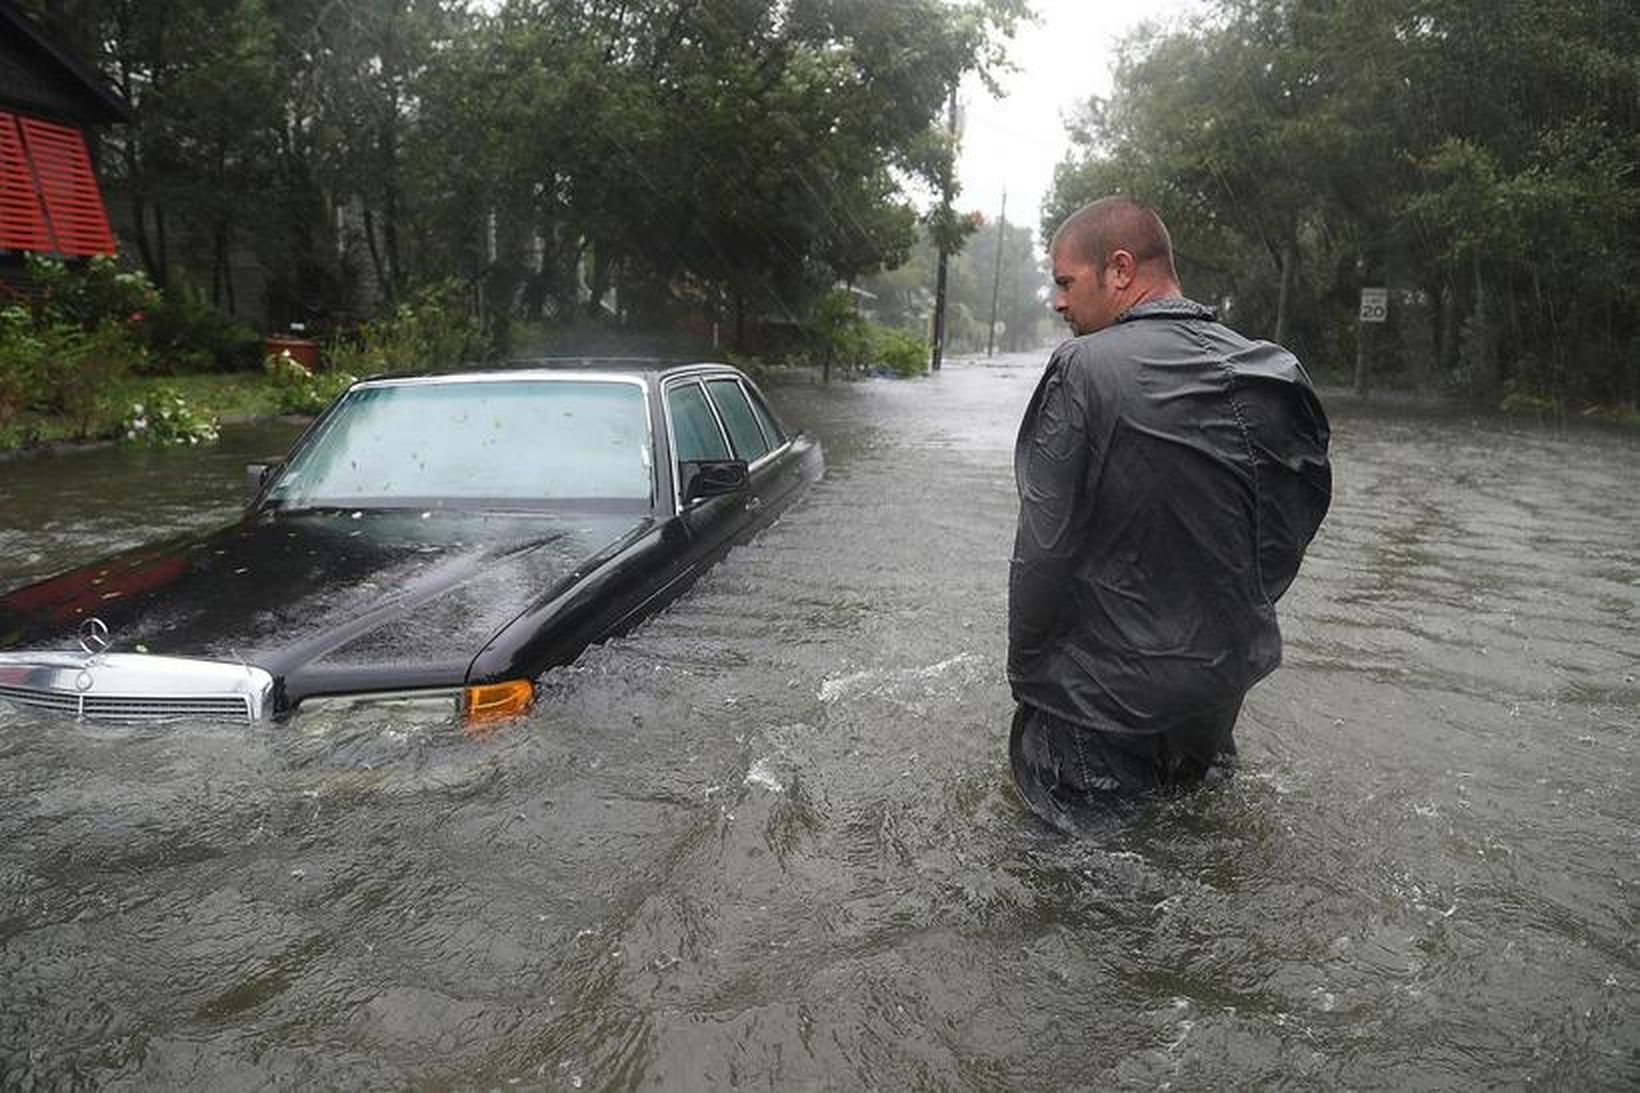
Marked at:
<point>49,199</point>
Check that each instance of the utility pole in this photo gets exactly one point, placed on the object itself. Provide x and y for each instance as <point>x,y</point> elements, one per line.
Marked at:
<point>943,230</point>
<point>996,276</point>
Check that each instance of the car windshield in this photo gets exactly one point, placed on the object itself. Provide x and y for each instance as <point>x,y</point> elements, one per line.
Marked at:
<point>472,442</point>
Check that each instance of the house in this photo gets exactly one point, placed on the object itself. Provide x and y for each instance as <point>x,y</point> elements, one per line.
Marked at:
<point>50,202</point>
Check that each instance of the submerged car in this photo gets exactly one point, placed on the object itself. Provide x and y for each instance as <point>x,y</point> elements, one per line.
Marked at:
<point>437,540</point>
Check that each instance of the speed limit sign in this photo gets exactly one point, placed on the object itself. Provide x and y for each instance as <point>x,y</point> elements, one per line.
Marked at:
<point>1374,305</point>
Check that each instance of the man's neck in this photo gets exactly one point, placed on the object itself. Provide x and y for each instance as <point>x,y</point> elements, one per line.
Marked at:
<point>1160,289</point>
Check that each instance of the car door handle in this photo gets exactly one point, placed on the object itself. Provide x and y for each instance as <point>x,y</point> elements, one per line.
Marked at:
<point>754,504</point>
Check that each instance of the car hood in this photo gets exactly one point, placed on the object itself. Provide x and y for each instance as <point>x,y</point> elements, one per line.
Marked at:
<point>321,590</point>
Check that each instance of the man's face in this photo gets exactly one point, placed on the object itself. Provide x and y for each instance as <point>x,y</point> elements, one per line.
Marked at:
<point>1081,297</point>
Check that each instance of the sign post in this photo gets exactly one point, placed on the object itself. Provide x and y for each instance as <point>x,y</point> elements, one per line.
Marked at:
<point>1374,309</point>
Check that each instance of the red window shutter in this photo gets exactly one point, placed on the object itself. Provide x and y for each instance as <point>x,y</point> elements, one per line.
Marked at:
<point>74,208</point>
<point>22,224</point>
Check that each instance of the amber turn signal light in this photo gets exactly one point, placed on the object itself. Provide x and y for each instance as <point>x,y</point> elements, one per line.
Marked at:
<point>497,701</point>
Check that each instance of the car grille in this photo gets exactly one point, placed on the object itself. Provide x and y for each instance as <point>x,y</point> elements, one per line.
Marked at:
<point>130,708</point>
<point>42,699</point>
<point>131,688</point>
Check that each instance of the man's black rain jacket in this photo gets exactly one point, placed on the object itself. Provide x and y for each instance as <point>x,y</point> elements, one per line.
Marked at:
<point>1171,474</point>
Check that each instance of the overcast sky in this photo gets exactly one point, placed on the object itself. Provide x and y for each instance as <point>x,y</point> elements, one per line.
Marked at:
<point>1061,59</point>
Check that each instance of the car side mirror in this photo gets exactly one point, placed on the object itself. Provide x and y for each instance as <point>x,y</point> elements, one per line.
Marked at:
<point>255,475</point>
<point>702,478</point>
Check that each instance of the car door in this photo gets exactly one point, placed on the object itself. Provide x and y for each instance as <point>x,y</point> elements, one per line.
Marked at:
<point>698,433</point>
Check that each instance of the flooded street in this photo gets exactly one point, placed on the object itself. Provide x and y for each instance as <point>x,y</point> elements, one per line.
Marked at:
<point>769,840</point>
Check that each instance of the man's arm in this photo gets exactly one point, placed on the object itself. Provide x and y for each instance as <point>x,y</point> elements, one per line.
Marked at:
<point>1052,466</point>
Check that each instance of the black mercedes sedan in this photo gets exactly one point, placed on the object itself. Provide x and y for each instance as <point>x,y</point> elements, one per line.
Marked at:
<point>436,540</point>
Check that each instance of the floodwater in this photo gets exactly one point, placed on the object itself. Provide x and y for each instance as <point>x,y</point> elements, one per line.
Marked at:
<point>768,840</point>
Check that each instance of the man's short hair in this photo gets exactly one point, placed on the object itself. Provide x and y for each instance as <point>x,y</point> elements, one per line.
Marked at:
<point>1116,223</point>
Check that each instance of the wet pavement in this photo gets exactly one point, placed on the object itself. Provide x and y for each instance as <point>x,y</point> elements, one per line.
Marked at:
<point>768,841</point>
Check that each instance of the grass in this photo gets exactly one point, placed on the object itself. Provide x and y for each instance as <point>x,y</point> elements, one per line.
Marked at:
<point>228,396</point>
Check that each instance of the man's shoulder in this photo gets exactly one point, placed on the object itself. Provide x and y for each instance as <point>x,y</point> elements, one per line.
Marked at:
<point>1101,360</point>
<point>1090,366</point>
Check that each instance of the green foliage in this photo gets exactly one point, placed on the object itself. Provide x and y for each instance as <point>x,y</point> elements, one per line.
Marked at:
<point>903,353</point>
<point>1521,398</point>
<point>186,334</point>
<point>851,344</point>
<point>1477,158</point>
<point>431,330</point>
<point>87,294</point>
<point>749,363</point>
<point>717,161</point>
<point>301,391</point>
<point>76,339</point>
<point>80,369</point>
<point>20,355</point>
<point>167,420</point>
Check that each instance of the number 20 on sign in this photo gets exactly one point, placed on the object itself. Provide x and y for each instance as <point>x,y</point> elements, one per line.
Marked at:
<point>1374,305</point>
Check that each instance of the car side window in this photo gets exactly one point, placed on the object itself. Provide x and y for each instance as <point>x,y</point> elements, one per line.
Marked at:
<point>771,427</point>
<point>744,431</point>
<point>694,430</point>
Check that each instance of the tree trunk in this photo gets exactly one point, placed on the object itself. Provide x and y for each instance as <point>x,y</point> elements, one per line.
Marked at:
<point>164,248</point>
<point>391,234</point>
<point>939,313</point>
<point>1446,340</point>
<point>600,281</point>
<point>217,267</point>
<point>1284,294</point>
<point>947,187</point>
<point>1481,352</point>
<point>145,247</point>
<point>375,256</point>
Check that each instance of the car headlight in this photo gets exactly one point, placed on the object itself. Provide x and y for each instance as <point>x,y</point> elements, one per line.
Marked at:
<point>445,702</point>
<point>479,707</point>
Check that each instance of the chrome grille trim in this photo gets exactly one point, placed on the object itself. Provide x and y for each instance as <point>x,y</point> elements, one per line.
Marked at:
<point>135,687</point>
<point>152,709</point>
<point>49,700</point>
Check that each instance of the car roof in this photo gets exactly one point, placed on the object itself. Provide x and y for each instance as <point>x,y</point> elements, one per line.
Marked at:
<point>637,367</point>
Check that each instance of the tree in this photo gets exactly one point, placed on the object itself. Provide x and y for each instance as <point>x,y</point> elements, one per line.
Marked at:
<point>1476,157</point>
<point>728,158</point>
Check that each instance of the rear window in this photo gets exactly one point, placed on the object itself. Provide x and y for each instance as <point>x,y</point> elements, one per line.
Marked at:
<point>744,431</point>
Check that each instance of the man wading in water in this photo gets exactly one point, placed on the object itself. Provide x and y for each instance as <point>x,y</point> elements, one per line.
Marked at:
<point>1171,473</point>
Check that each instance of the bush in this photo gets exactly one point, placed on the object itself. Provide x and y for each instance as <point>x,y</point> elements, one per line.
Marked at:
<point>904,353</point>
<point>73,340</point>
<point>61,368</point>
<point>186,334</point>
<point>168,420</point>
<point>80,367</point>
<point>433,329</point>
<point>89,294</point>
<point>750,363</point>
<point>299,389</point>
<point>21,352</point>
<point>852,344</point>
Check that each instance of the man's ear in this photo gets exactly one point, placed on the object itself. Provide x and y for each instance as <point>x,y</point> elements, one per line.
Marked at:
<point>1124,266</point>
